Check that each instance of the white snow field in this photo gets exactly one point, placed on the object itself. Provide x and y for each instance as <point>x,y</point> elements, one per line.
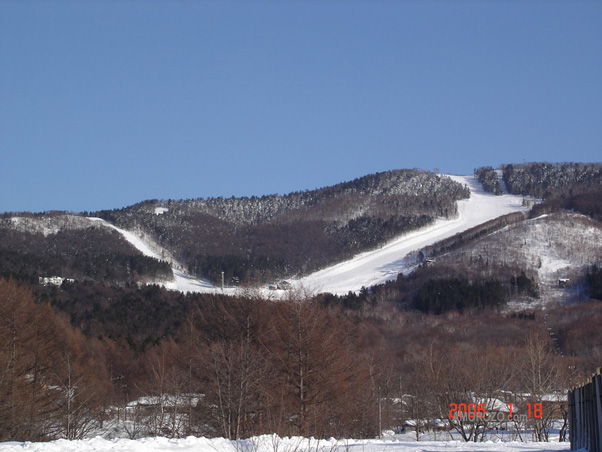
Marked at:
<point>270,443</point>
<point>365,269</point>
<point>384,264</point>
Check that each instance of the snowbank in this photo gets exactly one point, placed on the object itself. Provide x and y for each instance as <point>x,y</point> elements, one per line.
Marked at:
<point>270,443</point>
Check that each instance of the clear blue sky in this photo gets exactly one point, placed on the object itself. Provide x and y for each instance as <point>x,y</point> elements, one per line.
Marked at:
<point>107,103</point>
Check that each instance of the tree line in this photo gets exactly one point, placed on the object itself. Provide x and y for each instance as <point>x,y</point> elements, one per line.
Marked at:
<point>489,180</point>
<point>549,180</point>
<point>86,254</point>
<point>242,366</point>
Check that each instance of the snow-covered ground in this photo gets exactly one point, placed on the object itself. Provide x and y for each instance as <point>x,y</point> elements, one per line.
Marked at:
<point>381,265</point>
<point>269,443</point>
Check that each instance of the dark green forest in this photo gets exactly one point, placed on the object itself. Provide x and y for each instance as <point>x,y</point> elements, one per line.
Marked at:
<point>90,254</point>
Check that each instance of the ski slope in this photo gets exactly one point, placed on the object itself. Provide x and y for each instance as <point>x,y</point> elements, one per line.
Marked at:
<point>365,269</point>
<point>182,282</point>
<point>383,264</point>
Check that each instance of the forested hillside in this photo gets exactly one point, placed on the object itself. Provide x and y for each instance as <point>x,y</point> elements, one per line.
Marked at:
<point>241,366</point>
<point>571,186</point>
<point>261,238</point>
<point>528,258</point>
<point>71,247</point>
<point>546,180</point>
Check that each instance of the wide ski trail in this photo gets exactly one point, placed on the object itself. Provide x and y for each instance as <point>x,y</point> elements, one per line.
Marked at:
<point>398,256</point>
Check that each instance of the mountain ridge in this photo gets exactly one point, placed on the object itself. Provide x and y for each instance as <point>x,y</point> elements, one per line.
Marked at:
<point>257,239</point>
<point>319,229</point>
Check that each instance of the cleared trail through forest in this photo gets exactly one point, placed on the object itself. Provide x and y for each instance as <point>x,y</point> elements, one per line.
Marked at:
<point>398,256</point>
<point>365,269</point>
<point>182,282</point>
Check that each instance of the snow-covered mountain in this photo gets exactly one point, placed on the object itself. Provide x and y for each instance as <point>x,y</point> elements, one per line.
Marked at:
<point>365,269</point>
<point>273,237</point>
<point>339,218</point>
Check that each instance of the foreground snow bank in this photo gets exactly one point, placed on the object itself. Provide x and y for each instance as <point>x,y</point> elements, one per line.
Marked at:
<point>269,443</point>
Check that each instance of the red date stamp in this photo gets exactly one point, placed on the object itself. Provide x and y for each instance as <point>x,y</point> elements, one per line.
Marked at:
<point>474,411</point>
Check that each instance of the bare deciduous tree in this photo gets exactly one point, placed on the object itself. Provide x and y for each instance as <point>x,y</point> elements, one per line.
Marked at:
<point>540,376</point>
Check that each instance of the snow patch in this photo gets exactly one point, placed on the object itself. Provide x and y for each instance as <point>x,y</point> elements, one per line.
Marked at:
<point>53,280</point>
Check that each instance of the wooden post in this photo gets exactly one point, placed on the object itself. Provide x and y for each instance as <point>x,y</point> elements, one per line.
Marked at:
<point>571,416</point>
<point>597,395</point>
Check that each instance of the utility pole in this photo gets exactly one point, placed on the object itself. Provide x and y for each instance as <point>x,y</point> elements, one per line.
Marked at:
<point>380,414</point>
